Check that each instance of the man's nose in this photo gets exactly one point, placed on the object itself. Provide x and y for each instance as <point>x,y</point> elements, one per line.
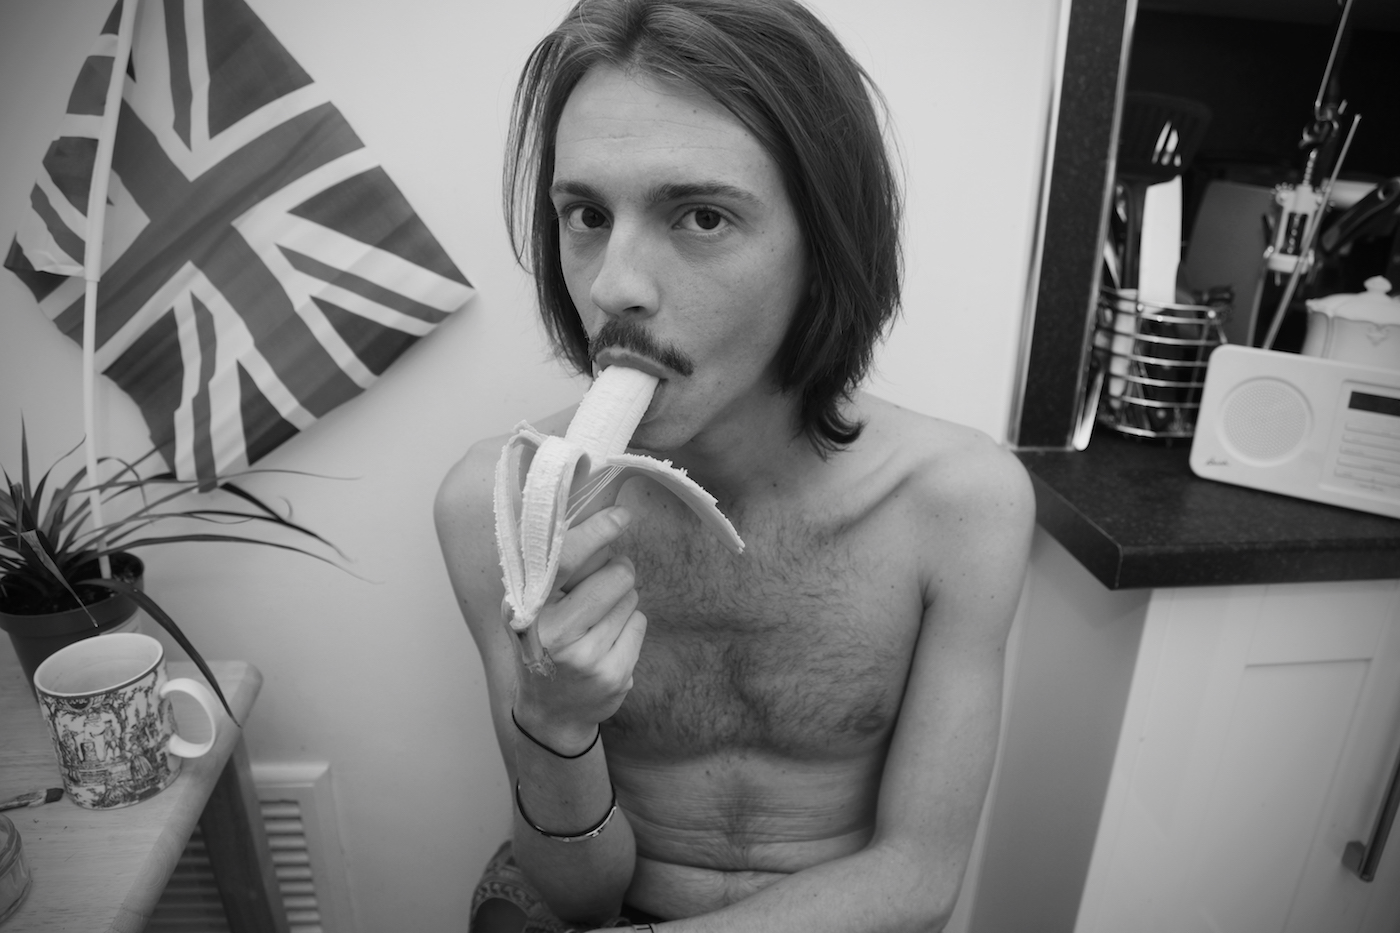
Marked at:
<point>626,283</point>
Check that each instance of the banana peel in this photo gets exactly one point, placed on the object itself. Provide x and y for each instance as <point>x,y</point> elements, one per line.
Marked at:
<point>546,484</point>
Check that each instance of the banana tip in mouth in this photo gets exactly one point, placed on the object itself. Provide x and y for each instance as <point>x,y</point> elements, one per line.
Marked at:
<point>628,361</point>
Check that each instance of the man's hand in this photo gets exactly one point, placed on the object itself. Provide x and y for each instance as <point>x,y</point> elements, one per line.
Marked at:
<point>592,630</point>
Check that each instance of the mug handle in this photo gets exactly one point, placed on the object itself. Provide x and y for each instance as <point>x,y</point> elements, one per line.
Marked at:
<point>183,747</point>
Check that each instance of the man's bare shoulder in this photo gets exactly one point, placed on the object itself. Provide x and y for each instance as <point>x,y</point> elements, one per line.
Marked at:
<point>953,475</point>
<point>469,484</point>
<point>464,508</point>
<point>464,515</point>
<point>966,513</point>
<point>940,450</point>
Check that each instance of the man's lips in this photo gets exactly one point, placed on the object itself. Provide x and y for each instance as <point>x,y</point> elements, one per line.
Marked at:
<point>616,356</point>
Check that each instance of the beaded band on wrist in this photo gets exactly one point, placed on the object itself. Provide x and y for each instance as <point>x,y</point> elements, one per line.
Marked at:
<point>525,732</point>
<point>589,833</point>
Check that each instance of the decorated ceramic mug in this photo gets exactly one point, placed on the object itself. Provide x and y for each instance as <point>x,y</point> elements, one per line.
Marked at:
<point>105,702</point>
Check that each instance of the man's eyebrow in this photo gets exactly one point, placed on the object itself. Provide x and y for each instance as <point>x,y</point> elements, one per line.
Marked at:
<point>660,194</point>
<point>681,191</point>
<point>575,189</point>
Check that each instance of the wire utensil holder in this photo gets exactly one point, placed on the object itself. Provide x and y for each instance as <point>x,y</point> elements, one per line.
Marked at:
<point>1154,357</point>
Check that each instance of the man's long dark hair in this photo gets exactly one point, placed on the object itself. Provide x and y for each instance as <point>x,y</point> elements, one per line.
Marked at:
<point>783,74</point>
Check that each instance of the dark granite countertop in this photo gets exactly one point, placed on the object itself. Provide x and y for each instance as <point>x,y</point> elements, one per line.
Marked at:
<point>1135,515</point>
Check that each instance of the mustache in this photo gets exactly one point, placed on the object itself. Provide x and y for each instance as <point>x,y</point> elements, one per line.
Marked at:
<point>629,335</point>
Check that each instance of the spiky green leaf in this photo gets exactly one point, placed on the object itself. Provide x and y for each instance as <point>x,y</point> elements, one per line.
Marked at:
<point>142,599</point>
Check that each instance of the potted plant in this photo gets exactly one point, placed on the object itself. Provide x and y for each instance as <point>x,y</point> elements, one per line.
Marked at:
<point>54,588</point>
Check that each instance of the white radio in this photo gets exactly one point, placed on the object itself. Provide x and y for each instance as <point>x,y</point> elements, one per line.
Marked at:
<point>1301,426</point>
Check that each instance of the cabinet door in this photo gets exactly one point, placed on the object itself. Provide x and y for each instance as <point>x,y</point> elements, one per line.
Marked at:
<point>1259,737</point>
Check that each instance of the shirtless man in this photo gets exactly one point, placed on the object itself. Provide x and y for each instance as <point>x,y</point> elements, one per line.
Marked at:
<point>798,738</point>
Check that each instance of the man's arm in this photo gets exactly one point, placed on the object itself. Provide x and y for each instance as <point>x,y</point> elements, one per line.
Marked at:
<point>593,634</point>
<point>981,513</point>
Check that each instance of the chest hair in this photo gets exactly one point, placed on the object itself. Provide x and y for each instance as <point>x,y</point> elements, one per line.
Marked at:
<point>796,647</point>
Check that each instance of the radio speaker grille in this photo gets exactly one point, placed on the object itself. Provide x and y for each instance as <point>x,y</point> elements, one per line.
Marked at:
<point>1264,420</point>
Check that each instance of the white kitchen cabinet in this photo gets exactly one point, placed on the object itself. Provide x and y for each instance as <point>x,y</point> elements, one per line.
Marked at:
<point>1259,738</point>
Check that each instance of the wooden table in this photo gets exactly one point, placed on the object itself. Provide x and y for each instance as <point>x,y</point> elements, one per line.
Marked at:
<point>100,870</point>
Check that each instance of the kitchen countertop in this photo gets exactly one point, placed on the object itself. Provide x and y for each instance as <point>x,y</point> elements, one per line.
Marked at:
<point>1134,515</point>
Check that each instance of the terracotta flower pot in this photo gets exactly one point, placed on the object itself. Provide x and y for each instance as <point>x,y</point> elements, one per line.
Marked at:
<point>36,636</point>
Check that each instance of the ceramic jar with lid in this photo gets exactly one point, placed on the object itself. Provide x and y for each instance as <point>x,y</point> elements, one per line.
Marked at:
<point>1363,329</point>
<point>14,873</point>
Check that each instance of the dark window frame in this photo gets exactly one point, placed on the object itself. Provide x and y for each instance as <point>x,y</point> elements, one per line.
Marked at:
<point>1067,256</point>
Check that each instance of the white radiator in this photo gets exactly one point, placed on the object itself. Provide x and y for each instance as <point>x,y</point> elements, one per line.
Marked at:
<point>298,810</point>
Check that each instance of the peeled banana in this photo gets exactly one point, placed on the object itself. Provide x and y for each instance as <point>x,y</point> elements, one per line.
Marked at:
<point>545,484</point>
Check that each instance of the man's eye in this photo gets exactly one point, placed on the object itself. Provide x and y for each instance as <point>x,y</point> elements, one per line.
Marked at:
<point>585,218</point>
<point>706,218</point>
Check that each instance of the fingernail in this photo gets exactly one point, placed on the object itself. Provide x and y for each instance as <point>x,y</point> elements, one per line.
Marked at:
<point>622,516</point>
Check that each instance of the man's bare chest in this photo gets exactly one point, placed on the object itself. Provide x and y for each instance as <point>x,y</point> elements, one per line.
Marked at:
<point>799,647</point>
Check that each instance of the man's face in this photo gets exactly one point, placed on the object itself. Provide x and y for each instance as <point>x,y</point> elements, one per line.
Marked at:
<point>680,248</point>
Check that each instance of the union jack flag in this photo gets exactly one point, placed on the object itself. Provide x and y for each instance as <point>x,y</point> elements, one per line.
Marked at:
<point>260,268</point>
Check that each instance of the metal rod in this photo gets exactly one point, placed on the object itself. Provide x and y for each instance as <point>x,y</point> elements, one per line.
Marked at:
<point>1314,222</point>
<point>1331,60</point>
<point>92,260</point>
<point>1365,858</point>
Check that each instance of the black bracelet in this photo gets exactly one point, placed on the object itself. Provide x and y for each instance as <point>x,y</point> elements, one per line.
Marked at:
<point>644,926</point>
<point>589,833</point>
<point>527,735</point>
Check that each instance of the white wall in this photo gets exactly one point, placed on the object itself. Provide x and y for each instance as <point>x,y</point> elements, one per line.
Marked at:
<point>1070,665</point>
<point>380,677</point>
